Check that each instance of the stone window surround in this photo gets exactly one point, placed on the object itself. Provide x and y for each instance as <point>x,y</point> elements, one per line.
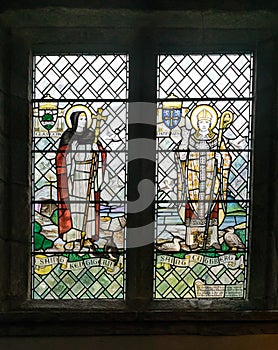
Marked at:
<point>142,36</point>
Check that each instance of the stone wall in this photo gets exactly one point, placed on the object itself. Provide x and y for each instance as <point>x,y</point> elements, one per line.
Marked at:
<point>144,4</point>
<point>252,342</point>
<point>53,29</point>
<point>4,162</point>
<point>19,137</point>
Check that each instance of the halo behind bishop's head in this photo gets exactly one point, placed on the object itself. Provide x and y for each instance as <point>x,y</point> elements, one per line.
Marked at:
<point>207,111</point>
<point>78,108</point>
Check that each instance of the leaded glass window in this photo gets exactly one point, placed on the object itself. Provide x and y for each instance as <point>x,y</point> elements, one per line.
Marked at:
<point>204,152</point>
<point>203,172</point>
<point>79,176</point>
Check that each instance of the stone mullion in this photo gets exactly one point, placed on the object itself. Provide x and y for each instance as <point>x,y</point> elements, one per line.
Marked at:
<point>142,93</point>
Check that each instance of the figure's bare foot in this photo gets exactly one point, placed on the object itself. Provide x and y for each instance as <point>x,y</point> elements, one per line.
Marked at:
<point>69,246</point>
<point>89,245</point>
<point>72,246</point>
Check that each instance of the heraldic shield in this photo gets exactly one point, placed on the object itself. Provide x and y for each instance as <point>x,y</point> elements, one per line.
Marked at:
<point>171,112</point>
<point>171,117</point>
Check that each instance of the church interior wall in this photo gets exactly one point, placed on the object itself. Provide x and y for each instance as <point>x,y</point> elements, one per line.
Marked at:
<point>248,342</point>
<point>4,167</point>
<point>15,168</point>
<point>19,113</point>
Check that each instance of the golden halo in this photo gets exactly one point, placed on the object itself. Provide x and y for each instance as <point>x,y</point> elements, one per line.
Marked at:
<point>197,110</point>
<point>79,108</point>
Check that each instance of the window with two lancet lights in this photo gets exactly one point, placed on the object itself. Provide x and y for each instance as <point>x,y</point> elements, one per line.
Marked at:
<point>203,175</point>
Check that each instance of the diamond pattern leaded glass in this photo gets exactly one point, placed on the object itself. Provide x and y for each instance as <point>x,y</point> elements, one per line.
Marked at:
<point>86,76</point>
<point>204,138</point>
<point>79,176</point>
<point>205,76</point>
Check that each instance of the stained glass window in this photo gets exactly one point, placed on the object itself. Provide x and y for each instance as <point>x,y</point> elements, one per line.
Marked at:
<point>79,176</point>
<point>204,152</point>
